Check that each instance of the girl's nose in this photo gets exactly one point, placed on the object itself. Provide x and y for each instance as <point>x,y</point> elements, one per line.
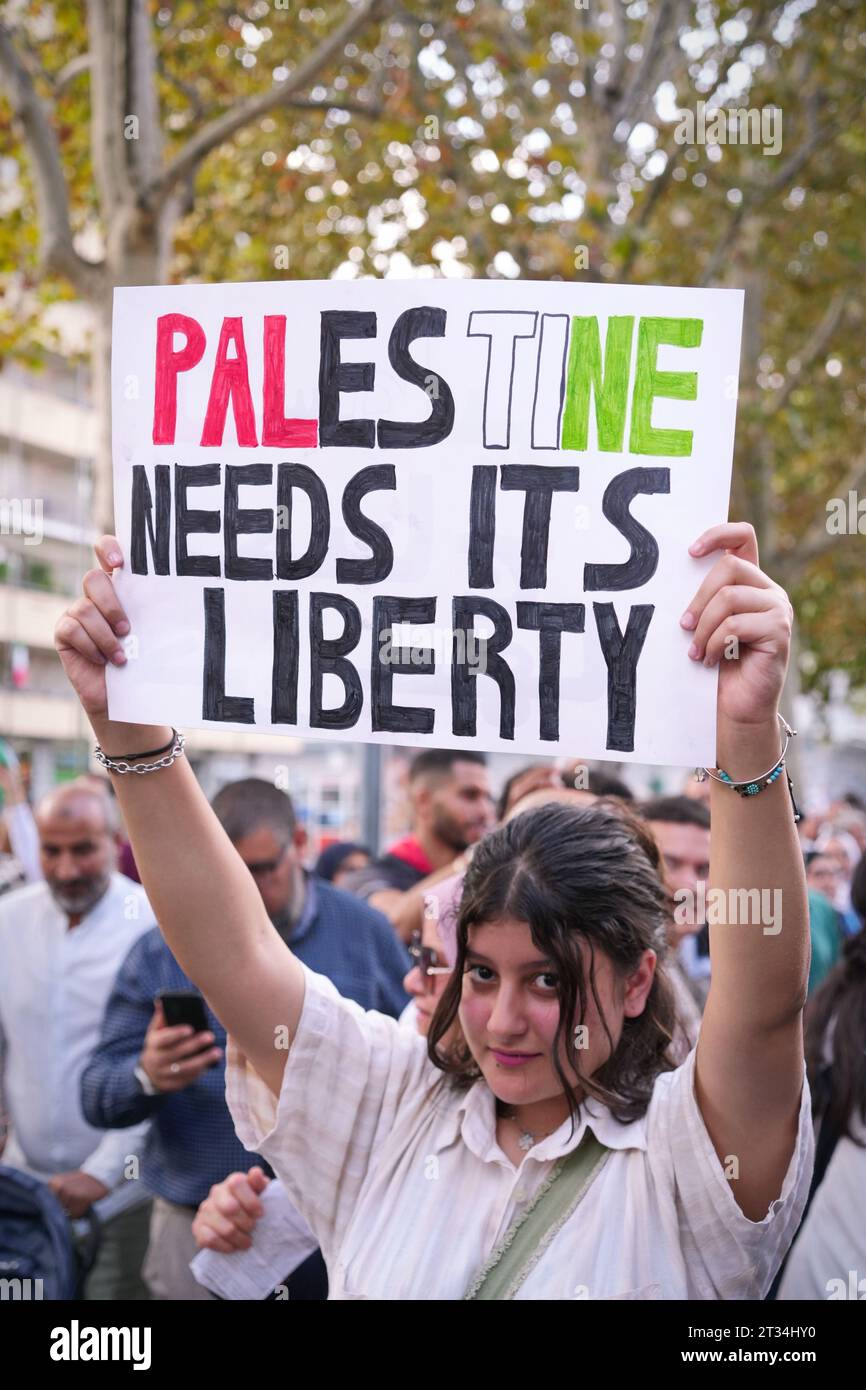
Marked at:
<point>505,1020</point>
<point>412,983</point>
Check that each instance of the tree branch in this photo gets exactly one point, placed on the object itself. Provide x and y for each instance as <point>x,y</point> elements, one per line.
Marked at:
<point>144,156</point>
<point>814,347</point>
<point>186,89</point>
<point>106,28</point>
<point>818,541</point>
<point>722,246</point>
<point>356,108</point>
<point>246,112</point>
<point>641,80</point>
<point>56,249</point>
<point>618,64</point>
<point>70,71</point>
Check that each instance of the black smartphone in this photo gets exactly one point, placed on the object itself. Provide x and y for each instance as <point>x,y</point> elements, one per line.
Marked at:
<point>184,1006</point>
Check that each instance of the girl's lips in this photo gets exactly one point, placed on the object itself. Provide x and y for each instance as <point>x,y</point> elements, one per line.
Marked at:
<point>513,1059</point>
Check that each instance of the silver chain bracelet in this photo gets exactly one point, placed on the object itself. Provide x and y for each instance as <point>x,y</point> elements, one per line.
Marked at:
<point>120,766</point>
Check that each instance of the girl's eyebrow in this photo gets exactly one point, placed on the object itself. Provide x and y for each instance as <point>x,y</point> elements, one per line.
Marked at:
<point>527,965</point>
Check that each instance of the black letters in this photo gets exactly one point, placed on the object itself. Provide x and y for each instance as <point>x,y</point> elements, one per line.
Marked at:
<point>142,511</point>
<point>463,692</point>
<point>422,322</point>
<point>387,717</point>
<point>291,475</point>
<point>186,522</point>
<point>621,655</point>
<point>230,709</point>
<point>482,526</point>
<point>550,620</point>
<point>284,677</point>
<point>643,561</point>
<point>336,376</point>
<point>539,482</point>
<point>329,657</point>
<point>242,522</point>
<point>378,566</point>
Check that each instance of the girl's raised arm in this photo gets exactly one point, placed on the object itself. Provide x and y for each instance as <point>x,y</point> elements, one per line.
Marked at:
<point>749,1065</point>
<point>204,898</point>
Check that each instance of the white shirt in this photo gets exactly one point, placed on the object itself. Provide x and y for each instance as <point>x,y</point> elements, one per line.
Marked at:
<point>832,1241</point>
<point>407,1190</point>
<point>54,985</point>
<point>24,839</point>
<point>830,1249</point>
<point>409,1017</point>
<point>688,1015</point>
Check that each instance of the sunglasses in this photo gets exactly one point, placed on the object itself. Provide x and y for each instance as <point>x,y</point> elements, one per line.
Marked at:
<point>264,868</point>
<point>426,959</point>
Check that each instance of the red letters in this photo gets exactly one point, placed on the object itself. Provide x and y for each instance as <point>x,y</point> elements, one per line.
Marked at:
<point>277,431</point>
<point>168,364</point>
<point>230,378</point>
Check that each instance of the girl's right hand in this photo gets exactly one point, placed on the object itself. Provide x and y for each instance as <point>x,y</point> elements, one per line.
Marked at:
<point>89,633</point>
<point>226,1219</point>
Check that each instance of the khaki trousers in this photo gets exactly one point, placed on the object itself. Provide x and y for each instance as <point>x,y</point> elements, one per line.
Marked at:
<point>172,1245</point>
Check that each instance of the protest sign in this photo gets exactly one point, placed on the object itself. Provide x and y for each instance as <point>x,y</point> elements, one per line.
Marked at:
<point>422,511</point>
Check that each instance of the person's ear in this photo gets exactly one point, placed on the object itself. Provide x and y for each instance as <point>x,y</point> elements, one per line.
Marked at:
<point>421,797</point>
<point>299,838</point>
<point>638,985</point>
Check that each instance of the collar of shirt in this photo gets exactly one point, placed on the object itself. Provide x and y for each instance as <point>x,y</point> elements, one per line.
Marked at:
<point>475,1119</point>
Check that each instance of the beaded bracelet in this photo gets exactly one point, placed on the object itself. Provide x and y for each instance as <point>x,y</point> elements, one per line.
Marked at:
<point>753,785</point>
<point>752,788</point>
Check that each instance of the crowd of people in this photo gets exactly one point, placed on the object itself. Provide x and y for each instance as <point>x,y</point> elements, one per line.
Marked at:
<point>396,1075</point>
<point>121,1114</point>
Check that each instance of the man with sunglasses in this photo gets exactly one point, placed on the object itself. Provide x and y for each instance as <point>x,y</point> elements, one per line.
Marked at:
<point>143,1069</point>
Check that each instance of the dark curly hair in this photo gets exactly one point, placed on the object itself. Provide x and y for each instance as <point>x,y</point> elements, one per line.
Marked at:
<point>574,874</point>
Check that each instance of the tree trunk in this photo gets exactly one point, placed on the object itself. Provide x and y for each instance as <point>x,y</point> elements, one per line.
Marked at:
<point>126,149</point>
<point>138,253</point>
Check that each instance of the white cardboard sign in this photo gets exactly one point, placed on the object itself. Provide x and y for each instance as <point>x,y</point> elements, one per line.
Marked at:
<point>422,511</point>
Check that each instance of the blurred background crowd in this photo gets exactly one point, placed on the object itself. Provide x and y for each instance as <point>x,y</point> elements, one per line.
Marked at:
<point>115,1122</point>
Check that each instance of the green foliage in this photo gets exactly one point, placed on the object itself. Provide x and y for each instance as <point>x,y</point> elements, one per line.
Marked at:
<point>492,138</point>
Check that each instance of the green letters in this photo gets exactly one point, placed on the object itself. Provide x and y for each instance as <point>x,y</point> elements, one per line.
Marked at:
<point>584,373</point>
<point>650,382</point>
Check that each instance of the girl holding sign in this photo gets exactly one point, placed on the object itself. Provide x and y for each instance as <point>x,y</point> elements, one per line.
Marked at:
<point>558,1156</point>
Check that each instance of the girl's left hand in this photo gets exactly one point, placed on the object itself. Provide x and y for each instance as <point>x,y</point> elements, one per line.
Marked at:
<point>742,620</point>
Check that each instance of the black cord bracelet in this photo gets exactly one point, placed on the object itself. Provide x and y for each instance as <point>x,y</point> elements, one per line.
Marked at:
<point>135,757</point>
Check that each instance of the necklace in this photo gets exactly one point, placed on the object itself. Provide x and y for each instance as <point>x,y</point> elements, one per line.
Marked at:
<point>528,1138</point>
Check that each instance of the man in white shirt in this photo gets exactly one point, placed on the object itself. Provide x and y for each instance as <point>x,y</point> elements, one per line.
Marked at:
<point>61,944</point>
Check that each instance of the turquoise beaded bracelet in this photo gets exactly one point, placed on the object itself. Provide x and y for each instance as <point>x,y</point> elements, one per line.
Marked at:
<point>753,785</point>
<point>752,788</point>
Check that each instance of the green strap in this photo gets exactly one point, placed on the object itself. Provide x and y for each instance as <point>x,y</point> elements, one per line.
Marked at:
<point>529,1235</point>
